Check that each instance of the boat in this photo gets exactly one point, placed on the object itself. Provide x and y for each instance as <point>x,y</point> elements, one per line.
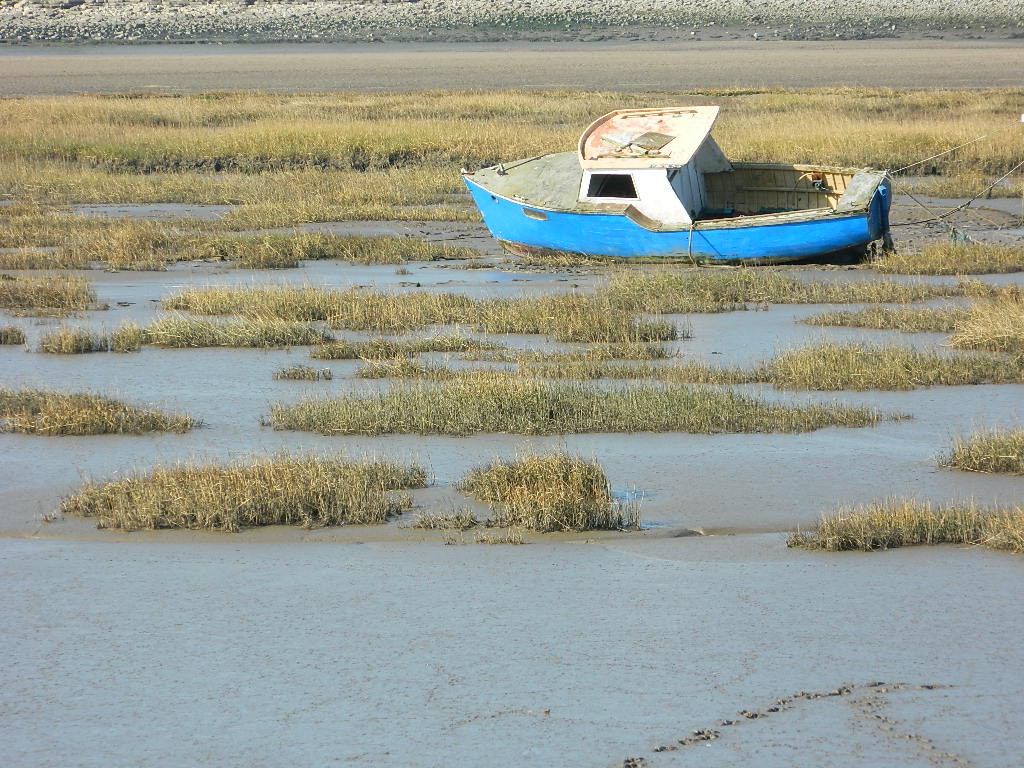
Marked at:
<point>654,183</point>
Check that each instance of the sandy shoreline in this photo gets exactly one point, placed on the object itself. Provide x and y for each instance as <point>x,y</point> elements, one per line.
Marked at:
<point>680,66</point>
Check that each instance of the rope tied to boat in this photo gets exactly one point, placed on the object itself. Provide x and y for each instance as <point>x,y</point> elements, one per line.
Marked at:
<point>933,157</point>
<point>962,206</point>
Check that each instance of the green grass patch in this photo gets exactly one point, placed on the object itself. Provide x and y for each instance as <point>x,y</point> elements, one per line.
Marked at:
<point>865,366</point>
<point>182,331</point>
<point>283,490</point>
<point>519,405</point>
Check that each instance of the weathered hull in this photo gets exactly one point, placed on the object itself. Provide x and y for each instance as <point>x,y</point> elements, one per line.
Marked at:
<point>797,237</point>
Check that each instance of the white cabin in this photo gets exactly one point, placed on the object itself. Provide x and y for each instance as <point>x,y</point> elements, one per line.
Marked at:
<point>652,159</point>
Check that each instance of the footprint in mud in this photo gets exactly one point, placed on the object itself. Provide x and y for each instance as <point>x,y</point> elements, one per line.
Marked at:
<point>870,708</point>
<point>868,704</point>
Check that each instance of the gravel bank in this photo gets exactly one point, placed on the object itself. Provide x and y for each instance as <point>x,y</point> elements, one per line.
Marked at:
<point>478,20</point>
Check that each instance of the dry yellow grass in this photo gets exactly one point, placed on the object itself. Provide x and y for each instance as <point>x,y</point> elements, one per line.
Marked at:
<point>563,317</point>
<point>285,159</point>
<point>551,492</point>
<point>905,319</point>
<point>253,132</point>
<point>866,366</point>
<point>524,405</point>
<point>39,258</point>
<point>991,450</point>
<point>953,259</point>
<point>379,348</point>
<point>907,522</point>
<point>72,341</point>
<point>11,334</point>
<point>182,331</point>
<point>828,366</point>
<point>303,373</point>
<point>283,490</point>
<point>996,325</point>
<point>56,293</point>
<point>44,412</point>
<point>725,290</point>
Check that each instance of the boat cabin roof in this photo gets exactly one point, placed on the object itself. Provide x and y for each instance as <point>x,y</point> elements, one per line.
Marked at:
<point>657,137</point>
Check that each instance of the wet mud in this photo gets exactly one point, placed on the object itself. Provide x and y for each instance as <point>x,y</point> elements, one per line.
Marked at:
<point>398,654</point>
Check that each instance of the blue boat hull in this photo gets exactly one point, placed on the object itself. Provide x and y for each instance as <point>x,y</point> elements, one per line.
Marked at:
<point>525,228</point>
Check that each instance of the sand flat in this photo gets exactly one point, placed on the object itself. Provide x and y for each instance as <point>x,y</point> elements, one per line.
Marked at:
<point>410,67</point>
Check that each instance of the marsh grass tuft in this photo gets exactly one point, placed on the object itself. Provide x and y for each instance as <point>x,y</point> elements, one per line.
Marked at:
<point>993,450</point>
<point>865,366</point>
<point>283,250</point>
<point>904,319</point>
<point>282,490</point>
<point>395,250</point>
<point>456,520</point>
<point>123,245</point>
<point>44,412</point>
<point>953,259</point>
<point>574,370</point>
<point>906,522</point>
<point>11,334</point>
<point>564,317</point>
<point>553,492</point>
<point>130,337</point>
<point>182,331</point>
<point>613,314</point>
<point>404,368</point>
<point>512,535</point>
<point>378,349</point>
<point>56,293</point>
<point>38,258</point>
<point>996,325</point>
<point>726,290</point>
<point>592,352</point>
<point>304,373</point>
<point>73,341</point>
<point>524,405</point>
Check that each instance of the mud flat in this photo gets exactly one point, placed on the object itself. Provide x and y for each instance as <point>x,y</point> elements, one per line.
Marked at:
<point>576,655</point>
<point>640,66</point>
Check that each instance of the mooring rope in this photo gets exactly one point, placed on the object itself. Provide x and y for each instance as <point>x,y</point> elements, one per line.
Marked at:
<point>954,149</point>
<point>960,207</point>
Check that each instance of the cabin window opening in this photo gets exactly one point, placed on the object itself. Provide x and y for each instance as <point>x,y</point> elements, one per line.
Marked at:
<point>618,185</point>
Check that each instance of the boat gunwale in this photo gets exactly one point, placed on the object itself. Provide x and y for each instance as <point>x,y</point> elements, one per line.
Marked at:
<point>736,222</point>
